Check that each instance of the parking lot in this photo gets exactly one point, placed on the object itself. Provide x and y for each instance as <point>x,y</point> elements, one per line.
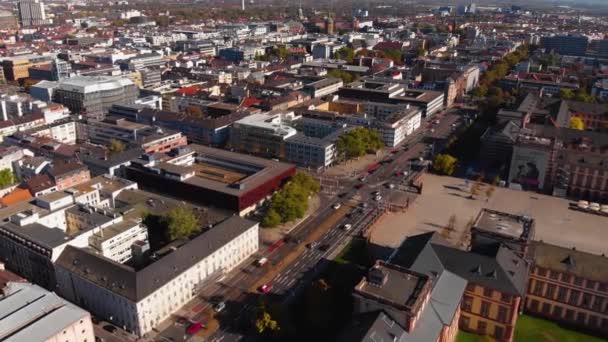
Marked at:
<point>446,196</point>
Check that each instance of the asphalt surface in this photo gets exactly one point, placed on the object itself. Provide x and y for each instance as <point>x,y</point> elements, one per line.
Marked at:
<point>233,290</point>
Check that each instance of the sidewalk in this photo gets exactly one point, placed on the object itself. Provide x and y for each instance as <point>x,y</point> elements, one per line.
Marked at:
<point>354,168</point>
<point>272,235</point>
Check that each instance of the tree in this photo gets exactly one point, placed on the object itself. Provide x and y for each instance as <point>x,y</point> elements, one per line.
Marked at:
<point>265,323</point>
<point>272,219</point>
<point>116,146</point>
<point>7,178</point>
<point>356,142</point>
<point>181,223</point>
<point>566,94</point>
<point>346,77</point>
<point>577,123</point>
<point>445,164</point>
<point>346,54</point>
<point>480,91</point>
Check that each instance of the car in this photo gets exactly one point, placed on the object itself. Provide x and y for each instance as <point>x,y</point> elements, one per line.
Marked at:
<point>347,226</point>
<point>390,185</point>
<point>405,173</point>
<point>583,204</point>
<point>358,186</point>
<point>194,328</point>
<point>375,193</point>
<point>363,179</point>
<point>437,122</point>
<point>337,206</point>
<point>109,328</point>
<point>261,262</point>
<point>265,288</point>
<point>395,151</point>
<point>604,208</point>
<point>324,247</point>
<point>377,198</point>
<point>219,307</point>
<point>594,206</point>
<point>311,245</point>
<point>182,321</point>
<point>364,205</point>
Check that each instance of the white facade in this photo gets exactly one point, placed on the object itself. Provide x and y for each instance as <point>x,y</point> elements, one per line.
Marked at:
<point>114,242</point>
<point>141,316</point>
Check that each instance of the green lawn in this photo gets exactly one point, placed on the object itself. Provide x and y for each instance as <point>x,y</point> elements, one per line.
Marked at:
<point>536,330</point>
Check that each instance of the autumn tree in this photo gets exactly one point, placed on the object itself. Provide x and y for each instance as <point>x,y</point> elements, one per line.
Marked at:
<point>577,123</point>
<point>445,164</point>
<point>116,146</point>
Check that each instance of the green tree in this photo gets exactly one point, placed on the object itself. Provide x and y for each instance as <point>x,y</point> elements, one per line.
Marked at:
<point>480,91</point>
<point>582,96</point>
<point>346,77</point>
<point>307,181</point>
<point>566,94</point>
<point>7,178</point>
<point>272,219</point>
<point>265,323</point>
<point>116,146</point>
<point>355,143</point>
<point>181,223</point>
<point>445,164</point>
<point>346,54</point>
<point>577,123</point>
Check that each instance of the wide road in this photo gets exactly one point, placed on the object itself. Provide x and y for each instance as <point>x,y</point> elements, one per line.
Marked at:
<point>298,274</point>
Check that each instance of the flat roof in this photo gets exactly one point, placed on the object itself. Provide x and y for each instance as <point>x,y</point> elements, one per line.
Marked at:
<point>505,224</point>
<point>401,286</point>
<point>39,234</point>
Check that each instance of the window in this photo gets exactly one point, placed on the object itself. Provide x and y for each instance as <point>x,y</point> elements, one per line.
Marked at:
<point>603,287</point>
<point>561,294</point>
<point>569,314</point>
<point>590,284</point>
<point>467,303</point>
<point>499,332</point>
<point>471,287</point>
<point>464,321</point>
<point>485,309</point>
<point>502,314</point>
<point>557,311</point>
<point>541,271</point>
<point>546,308</point>
<point>505,298</point>
<point>534,305</point>
<point>538,288</point>
<point>598,303</point>
<point>593,320</point>
<point>578,281</point>
<point>550,293</point>
<point>566,278</point>
<point>553,275</point>
<point>487,292</point>
<point>581,317</point>
<point>481,327</point>
<point>574,297</point>
<point>586,303</point>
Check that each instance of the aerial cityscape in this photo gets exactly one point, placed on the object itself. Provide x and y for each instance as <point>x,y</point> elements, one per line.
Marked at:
<point>261,170</point>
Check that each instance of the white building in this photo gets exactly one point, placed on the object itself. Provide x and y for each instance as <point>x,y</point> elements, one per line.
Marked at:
<point>397,126</point>
<point>30,313</point>
<point>138,299</point>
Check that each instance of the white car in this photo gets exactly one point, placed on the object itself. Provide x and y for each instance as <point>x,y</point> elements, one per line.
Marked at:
<point>347,226</point>
<point>391,186</point>
<point>594,206</point>
<point>604,208</point>
<point>377,198</point>
<point>337,206</point>
<point>583,204</point>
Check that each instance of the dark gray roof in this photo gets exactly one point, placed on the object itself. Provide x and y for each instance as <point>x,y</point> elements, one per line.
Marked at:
<point>136,285</point>
<point>373,327</point>
<point>571,261</point>
<point>39,234</point>
<point>501,270</point>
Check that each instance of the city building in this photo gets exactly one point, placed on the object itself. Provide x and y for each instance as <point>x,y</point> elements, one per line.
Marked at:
<point>491,227</point>
<point>32,13</point>
<point>263,134</point>
<point>405,305</point>
<point>569,287</point>
<point>211,176</point>
<point>30,313</point>
<point>94,95</point>
<point>17,68</point>
<point>140,296</point>
<point>496,280</point>
<point>565,44</point>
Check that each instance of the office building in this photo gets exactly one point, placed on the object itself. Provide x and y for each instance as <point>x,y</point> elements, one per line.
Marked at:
<point>94,95</point>
<point>140,296</point>
<point>492,227</point>
<point>565,44</point>
<point>17,68</point>
<point>263,134</point>
<point>32,13</point>
<point>569,287</point>
<point>30,313</point>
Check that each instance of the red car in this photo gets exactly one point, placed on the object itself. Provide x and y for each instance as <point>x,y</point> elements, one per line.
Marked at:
<point>265,288</point>
<point>194,328</point>
<point>358,186</point>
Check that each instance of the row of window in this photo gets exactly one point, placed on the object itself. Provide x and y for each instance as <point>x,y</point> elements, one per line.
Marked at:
<point>568,278</point>
<point>568,296</point>
<point>502,314</point>
<point>498,332</point>
<point>561,313</point>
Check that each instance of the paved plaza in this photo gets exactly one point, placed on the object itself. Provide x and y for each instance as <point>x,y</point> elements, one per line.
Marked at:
<point>446,196</point>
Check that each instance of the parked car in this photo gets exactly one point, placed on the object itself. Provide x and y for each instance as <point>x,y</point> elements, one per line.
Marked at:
<point>261,262</point>
<point>583,204</point>
<point>311,245</point>
<point>219,307</point>
<point>194,328</point>
<point>337,206</point>
<point>377,198</point>
<point>347,226</point>
<point>594,206</point>
<point>324,247</point>
<point>265,288</point>
<point>604,209</point>
<point>391,186</point>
